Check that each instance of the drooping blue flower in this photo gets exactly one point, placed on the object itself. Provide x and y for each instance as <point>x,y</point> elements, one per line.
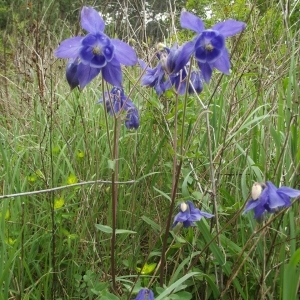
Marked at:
<point>209,45</point>
<point>155,78</point>
<point>176,65</point>
<point>71,73</point>
<point>116,101</point>
<point>189,214</point>
<point>145,294</point>
<point>177,57</point>
<point>171,70</point>
<point>179,80</point>
<point>96,51</point>
<point>266,198</point>
<point>196,81</point>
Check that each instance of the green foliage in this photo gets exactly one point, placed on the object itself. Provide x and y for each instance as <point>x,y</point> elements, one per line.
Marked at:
<point>4,12</point>
<point>50,137</point>
<point>291,277</point>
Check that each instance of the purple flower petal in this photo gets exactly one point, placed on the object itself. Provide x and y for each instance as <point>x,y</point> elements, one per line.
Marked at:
<point>112,73</point>
<point>141,295</point>
<point>206,70</point>
<point>191,206</point>
<point>259,213</point>
<point>108,52</point>
<point>196,81</point>
<point>180,87</point>
<point>275,201</point>
<point>166,85</point>
<point>223,62</point>
<point>286,199</point>
<point>179,81</point>
<point>145,294</point>
<point>217,41</point>
<point>264,196</point>
<point>251,204</point>
<point>288,191</point>
<point>184,55</point>
<point>159,89</point>
<point>69,48</point>
<point>195,216</point>
<point>174,224</point>
<point>142,64</point>
<point>124,53</point>
<point>90,40</point>
<point>168,58</point>
<point>150,295</point>
<point>86,55</point>
<point>98,61</point>
<point>132,119</point>
<point>71,73</point>
<point>86,74</point>
<point>229,27</point>
<point>190,21</point>
<point>154,78</point>
<point>148,79</point>
<point>206,215</point>
<point>182,216</point>
<point>91,20</point>
<point>188,223</point>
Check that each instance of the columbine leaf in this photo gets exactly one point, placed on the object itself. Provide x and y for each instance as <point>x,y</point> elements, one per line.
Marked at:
<point>107,229</point>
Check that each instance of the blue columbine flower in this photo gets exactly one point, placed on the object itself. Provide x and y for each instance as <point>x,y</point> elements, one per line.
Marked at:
<point>145,294</point>
<point>209,45</point>
<point>189,214</point>
<point>116,102</point>
<point>266,198</point>
<point>96,51</point>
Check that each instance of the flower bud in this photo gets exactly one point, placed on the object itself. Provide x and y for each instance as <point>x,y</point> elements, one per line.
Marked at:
<point>183,206</point>
<point>256,190</point>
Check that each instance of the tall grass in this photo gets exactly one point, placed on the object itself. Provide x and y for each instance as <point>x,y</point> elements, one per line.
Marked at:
<point>55,244</point>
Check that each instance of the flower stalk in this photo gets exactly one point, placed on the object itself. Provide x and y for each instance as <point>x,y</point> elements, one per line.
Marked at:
<point>175,179</point>
<point>114,186</point>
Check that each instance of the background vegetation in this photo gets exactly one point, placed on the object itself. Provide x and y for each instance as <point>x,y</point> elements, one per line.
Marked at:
<point>50,137</point>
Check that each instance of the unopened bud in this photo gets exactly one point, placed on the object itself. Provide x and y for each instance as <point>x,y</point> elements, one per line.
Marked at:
<point>257,188</point>
<point>160,46</point>
<point>183,206</point>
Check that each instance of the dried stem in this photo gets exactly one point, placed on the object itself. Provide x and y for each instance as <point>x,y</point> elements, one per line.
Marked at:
<point>66,187</point>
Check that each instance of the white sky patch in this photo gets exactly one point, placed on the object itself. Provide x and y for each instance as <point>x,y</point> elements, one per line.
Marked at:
<point>208,12</point>
<point>108,19</point>
<point>162,16</point>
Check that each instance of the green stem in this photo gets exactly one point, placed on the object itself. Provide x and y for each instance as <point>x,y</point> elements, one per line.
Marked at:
<point>106,119</point>
<point>175,177</point>
<point>114,151</point>
<point>114,186</point>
